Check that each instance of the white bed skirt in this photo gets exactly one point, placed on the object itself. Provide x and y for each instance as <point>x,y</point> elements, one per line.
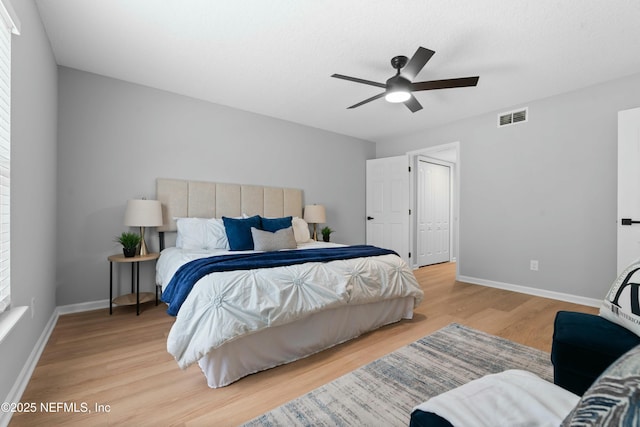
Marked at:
<point>283,344</point>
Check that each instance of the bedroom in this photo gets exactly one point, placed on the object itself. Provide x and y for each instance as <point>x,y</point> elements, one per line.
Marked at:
<point>70,185</point>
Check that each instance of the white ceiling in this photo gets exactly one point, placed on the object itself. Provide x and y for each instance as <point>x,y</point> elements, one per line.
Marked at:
<point>275,57</point>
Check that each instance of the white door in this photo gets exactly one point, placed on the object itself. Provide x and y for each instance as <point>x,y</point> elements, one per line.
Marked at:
<point>433,212</point>
<point>388,204</point>
<point>628,187</point>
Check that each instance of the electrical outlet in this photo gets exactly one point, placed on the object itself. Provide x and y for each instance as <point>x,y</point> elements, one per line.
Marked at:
<point>33,307</point>
<point>534,265</point>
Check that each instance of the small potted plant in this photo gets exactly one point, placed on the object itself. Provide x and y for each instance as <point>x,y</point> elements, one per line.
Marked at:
<point>129,242</point>
<point>326,233</point>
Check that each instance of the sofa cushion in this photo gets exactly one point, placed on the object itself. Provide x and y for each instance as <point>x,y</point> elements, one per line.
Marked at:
<point>584,345</point>
<point>622,303</point>
<point>614,399</point>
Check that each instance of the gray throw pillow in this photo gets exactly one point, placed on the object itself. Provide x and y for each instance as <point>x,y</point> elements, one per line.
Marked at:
<point>268,241</point>
<point>614,398</point>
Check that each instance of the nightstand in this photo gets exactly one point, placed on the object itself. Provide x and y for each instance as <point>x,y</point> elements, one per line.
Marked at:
<point>135,297</point>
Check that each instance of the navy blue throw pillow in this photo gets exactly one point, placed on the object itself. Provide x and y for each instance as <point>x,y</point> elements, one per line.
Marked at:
<point>239,232</point>
<point>275,224</point>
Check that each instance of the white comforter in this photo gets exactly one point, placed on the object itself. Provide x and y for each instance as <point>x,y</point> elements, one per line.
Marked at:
<point>228,305</point>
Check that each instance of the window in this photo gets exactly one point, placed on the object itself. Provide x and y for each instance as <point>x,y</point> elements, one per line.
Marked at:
<point>8,25</point>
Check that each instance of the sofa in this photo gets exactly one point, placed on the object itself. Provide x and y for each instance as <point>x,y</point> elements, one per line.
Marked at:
<point>584,345</point>
<point>594,361</point>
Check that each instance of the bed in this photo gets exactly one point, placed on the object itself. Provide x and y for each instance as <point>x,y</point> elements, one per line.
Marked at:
<point>242,311</point>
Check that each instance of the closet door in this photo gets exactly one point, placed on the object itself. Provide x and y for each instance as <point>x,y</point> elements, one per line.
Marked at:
<point>433,213</point>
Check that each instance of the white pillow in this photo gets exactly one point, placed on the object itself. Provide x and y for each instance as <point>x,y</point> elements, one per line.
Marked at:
<point>216,234</point>
<point>273,241</point>
<point>201,233</point>
<point>300,230</point>
<point>191,232</point>
<point>618,305</point>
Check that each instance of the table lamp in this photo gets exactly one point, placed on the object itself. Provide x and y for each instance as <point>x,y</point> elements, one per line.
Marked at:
<point>143,213</point>
<point>315,214</point>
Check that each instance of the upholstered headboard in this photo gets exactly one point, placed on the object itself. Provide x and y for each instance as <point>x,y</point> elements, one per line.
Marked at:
<point>181,198</point>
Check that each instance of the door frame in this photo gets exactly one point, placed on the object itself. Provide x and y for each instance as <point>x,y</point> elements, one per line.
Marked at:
<point>422,158</point>
<point>432,152</point>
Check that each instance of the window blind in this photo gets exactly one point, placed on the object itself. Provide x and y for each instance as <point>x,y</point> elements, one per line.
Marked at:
<point>7,26</point>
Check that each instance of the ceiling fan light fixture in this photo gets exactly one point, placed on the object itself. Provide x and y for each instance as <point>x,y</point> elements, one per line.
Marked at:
<point>398,89</point>
<point>397,96</point>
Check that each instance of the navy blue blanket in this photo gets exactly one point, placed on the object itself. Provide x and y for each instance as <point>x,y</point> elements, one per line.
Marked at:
<point>187,275</point>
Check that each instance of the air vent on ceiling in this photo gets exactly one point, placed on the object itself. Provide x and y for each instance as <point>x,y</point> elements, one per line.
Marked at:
<point>513,117</point>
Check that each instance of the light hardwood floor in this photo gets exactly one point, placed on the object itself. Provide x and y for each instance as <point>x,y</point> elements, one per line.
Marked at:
<point>121,360</point>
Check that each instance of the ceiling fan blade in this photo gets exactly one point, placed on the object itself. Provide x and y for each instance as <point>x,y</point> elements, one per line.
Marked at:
<point>445,84</point>
<point>373,98</point>
<point>357,80</point>
<point>413,104</point>
<point>417,62</point>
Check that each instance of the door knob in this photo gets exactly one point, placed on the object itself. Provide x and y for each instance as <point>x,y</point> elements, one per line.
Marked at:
<point>369,218</point>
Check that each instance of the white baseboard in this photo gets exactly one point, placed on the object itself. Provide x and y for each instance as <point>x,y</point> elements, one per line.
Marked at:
<point>83,306</point>
<point>591,302</point>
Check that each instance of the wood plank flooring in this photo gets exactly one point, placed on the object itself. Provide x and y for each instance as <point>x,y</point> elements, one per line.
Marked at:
<point>117,367</point>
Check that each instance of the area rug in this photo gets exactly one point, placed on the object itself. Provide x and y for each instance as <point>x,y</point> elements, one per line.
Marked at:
<point>384,392</point>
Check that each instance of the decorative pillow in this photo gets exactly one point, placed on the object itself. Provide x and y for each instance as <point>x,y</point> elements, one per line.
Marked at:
<point>275,224</point>
<point>614,398</point>
<point>201,233</point>
<point>301,230</point>
<point>239,232</point>
<point>622,303</point>
<point>273,241</point>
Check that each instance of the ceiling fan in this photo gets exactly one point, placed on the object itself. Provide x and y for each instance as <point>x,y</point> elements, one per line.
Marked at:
<point>399,87</point>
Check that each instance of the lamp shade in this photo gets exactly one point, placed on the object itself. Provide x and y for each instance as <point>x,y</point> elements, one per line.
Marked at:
<point>315,214</point>
<point>143,213</point>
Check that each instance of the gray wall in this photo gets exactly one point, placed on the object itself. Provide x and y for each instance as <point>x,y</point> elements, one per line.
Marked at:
<point>33,189</point>
<point>544,190</point>
<point>116,138</point>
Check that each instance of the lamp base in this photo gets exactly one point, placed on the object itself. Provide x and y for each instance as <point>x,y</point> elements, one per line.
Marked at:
<point>315,233</point>
<point>143,246</point>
